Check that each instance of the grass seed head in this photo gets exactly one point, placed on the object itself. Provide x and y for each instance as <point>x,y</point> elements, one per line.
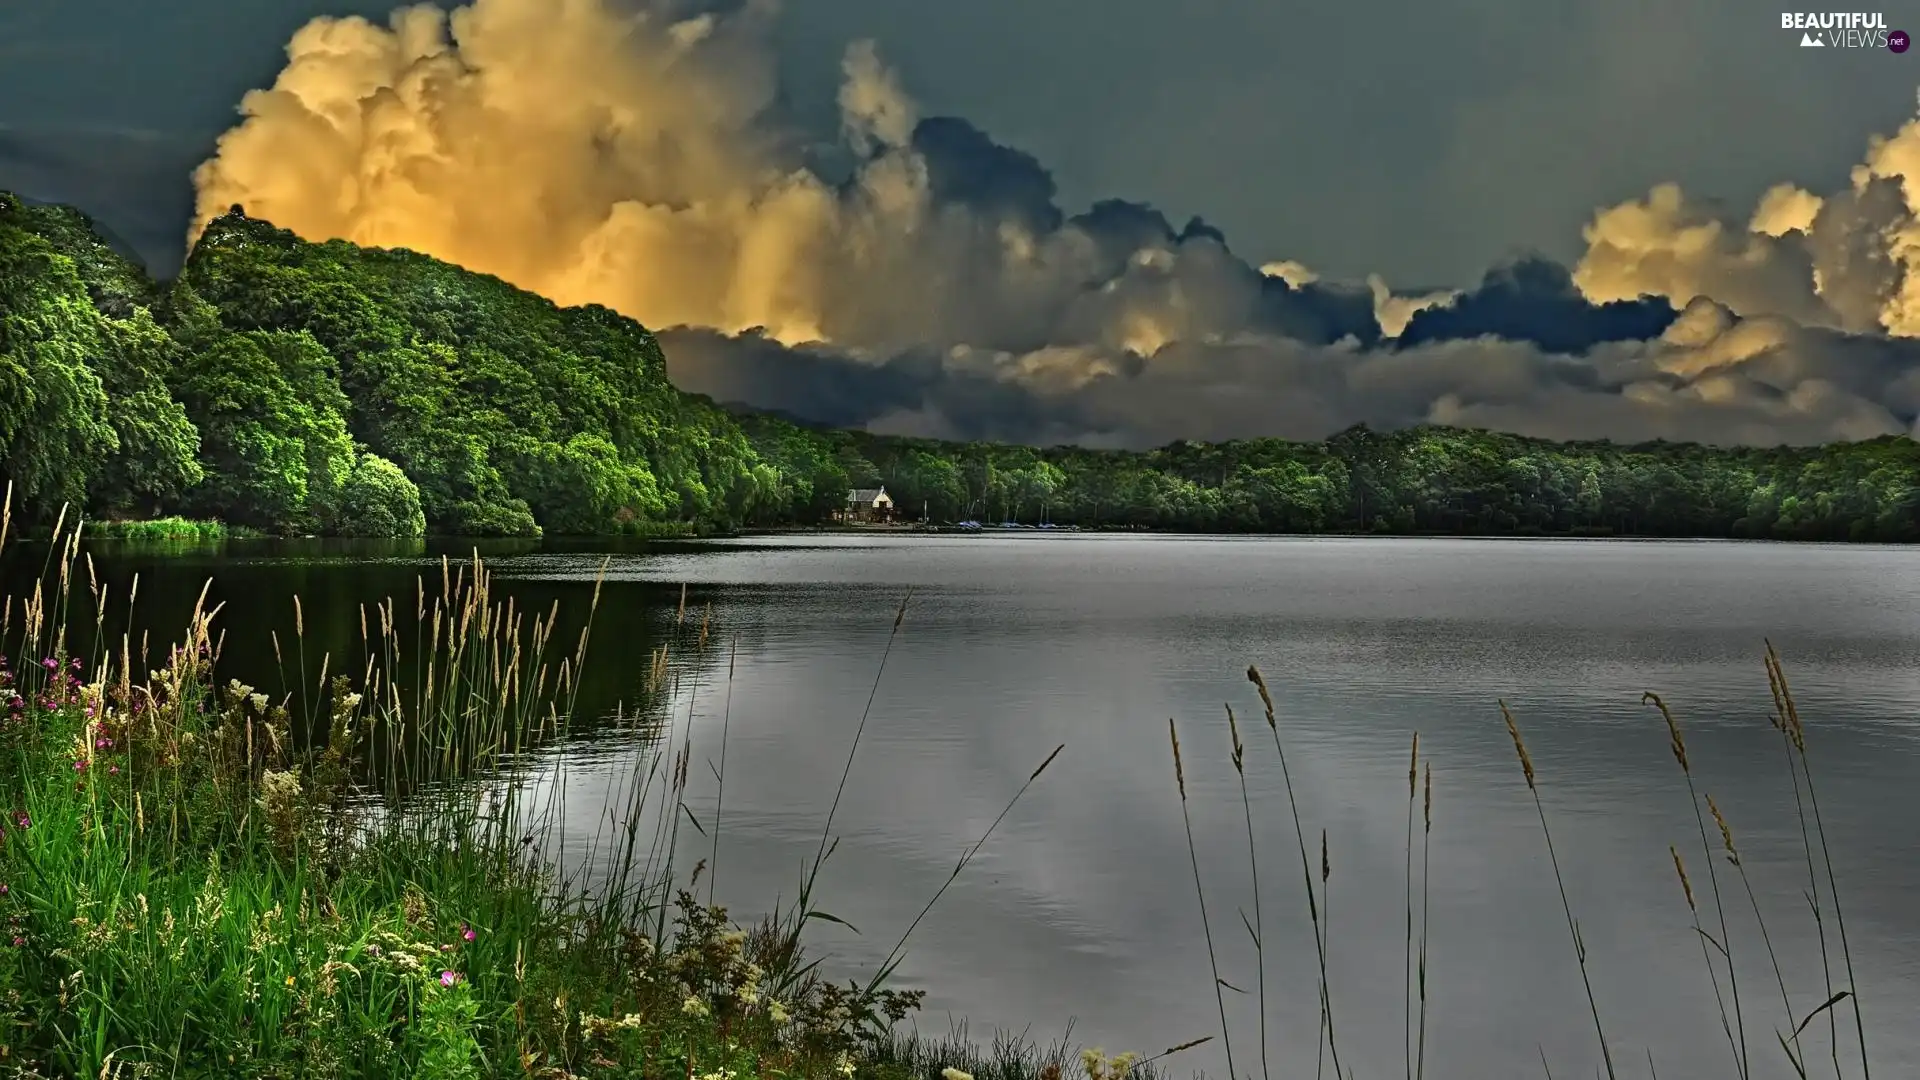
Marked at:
<point>1179,770</point>
<point>1680,868</point>
<point>1519,745</point>
<point>1675,741</point>
<point>1428,810</point>
<point>1266,699</point>
<point>1413,766</point>
<point>1726,831</point>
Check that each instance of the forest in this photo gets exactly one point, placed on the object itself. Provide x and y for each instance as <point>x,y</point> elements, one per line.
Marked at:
<point>303,388</point>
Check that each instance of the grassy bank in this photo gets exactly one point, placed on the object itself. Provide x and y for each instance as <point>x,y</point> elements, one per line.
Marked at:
<point>167,529</point>
<point>346,878</point>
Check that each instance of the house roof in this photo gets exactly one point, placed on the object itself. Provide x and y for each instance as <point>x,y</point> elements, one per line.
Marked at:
<point>866,495</point>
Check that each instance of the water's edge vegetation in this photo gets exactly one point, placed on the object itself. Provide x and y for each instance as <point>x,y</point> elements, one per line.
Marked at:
<point>299,388</point>
<point>354,878</point>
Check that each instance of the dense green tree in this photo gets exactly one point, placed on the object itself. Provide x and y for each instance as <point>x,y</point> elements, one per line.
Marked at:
<point>378,500</point>
<point>272,419</point>
<point>53,408</point>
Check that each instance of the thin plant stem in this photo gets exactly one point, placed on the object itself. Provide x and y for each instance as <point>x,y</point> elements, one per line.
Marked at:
<point>1826,857</point>
<point>895,955</point>
<point>1426,862</point>
<point>1677,743</point>
<point>1258,929</point>
<point>1783,725</point>
<point>720,776</point>
<point>1573,927</point>
<point>1406,967</point>
<point>1206,925</point>
<point>1306,870</point>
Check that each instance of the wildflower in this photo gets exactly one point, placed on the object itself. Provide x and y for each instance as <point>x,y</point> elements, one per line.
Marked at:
<point>21,819</point>
<point>80,765</point>
<point>693,1006</point>
<point>951,1073</point>
<point>844,1064</point>
<point>113,770</point>
<point>4,889</point>
<point>448,978</point>
<point>467,932</point>
<point>50,664</point>
<point>289,981</point>
<point>777,1012</point>
<point>18,941</point>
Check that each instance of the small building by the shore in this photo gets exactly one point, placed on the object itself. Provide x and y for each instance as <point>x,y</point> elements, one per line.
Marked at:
<point>868,505</point>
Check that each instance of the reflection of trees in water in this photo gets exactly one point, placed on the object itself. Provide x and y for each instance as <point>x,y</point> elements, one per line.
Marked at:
<point>294,614</point>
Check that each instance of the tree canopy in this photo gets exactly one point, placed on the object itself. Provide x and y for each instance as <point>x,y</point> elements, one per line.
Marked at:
<point>302,387</point>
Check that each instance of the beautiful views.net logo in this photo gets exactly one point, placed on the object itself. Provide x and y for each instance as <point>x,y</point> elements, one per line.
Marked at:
<point>1844,30</point>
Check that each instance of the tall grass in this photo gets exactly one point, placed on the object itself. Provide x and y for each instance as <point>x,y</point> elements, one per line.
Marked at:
<point>1553,856</point>
<point>1736,1027</point>
<point>1306,872</point>
<point>1822,887</point>
<point>358,878</point>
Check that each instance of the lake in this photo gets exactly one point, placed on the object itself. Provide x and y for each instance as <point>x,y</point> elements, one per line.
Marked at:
<point>1082,906</point>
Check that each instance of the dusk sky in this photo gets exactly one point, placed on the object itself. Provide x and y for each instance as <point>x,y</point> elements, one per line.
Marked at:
<point>1425,145</point>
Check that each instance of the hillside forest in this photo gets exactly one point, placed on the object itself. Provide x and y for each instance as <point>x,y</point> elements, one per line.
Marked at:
<point>303,388</point>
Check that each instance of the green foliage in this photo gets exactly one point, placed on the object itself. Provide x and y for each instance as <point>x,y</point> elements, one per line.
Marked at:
<point>253,389</point>
<point>1425,480</point>
<point>273,429</point>
<point>157,462</point>
<point>379,500</point>
<point>54,422</point>
<point>189,888</point>
<point>511,414</point>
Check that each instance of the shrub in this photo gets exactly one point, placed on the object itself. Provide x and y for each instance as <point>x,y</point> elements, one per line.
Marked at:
<point>379,500</point>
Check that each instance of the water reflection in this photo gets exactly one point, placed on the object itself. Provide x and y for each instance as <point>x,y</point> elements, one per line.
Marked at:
<point>1081,906</point>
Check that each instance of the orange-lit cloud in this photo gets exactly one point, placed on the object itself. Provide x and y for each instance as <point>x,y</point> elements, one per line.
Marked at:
<point>595,155</point>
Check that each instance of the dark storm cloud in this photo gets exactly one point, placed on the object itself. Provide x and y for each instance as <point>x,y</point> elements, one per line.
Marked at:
<point>129,181</point>
<point>1534,300</point>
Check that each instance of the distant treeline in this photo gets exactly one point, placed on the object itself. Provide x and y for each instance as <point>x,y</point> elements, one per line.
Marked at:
<point>1420,480</point>
<point>287,386</point>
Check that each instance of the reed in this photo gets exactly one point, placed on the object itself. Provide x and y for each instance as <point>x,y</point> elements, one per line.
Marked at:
<point>1796,732</point>
<point>1206,924</point>
<point>1573,926</point>
<point>1788,1042</point>
<point>1406,971</point>
<point>1735,1026</point>
<point>720,774</point>
<point>1426,863</point>
<point>1306,872</point>
<point>1257,931</point>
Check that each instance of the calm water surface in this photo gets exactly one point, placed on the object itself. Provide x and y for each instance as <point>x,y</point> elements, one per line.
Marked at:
<point>1083,905</point>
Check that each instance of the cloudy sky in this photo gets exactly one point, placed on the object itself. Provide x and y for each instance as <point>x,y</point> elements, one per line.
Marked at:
<point>889,212</point>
